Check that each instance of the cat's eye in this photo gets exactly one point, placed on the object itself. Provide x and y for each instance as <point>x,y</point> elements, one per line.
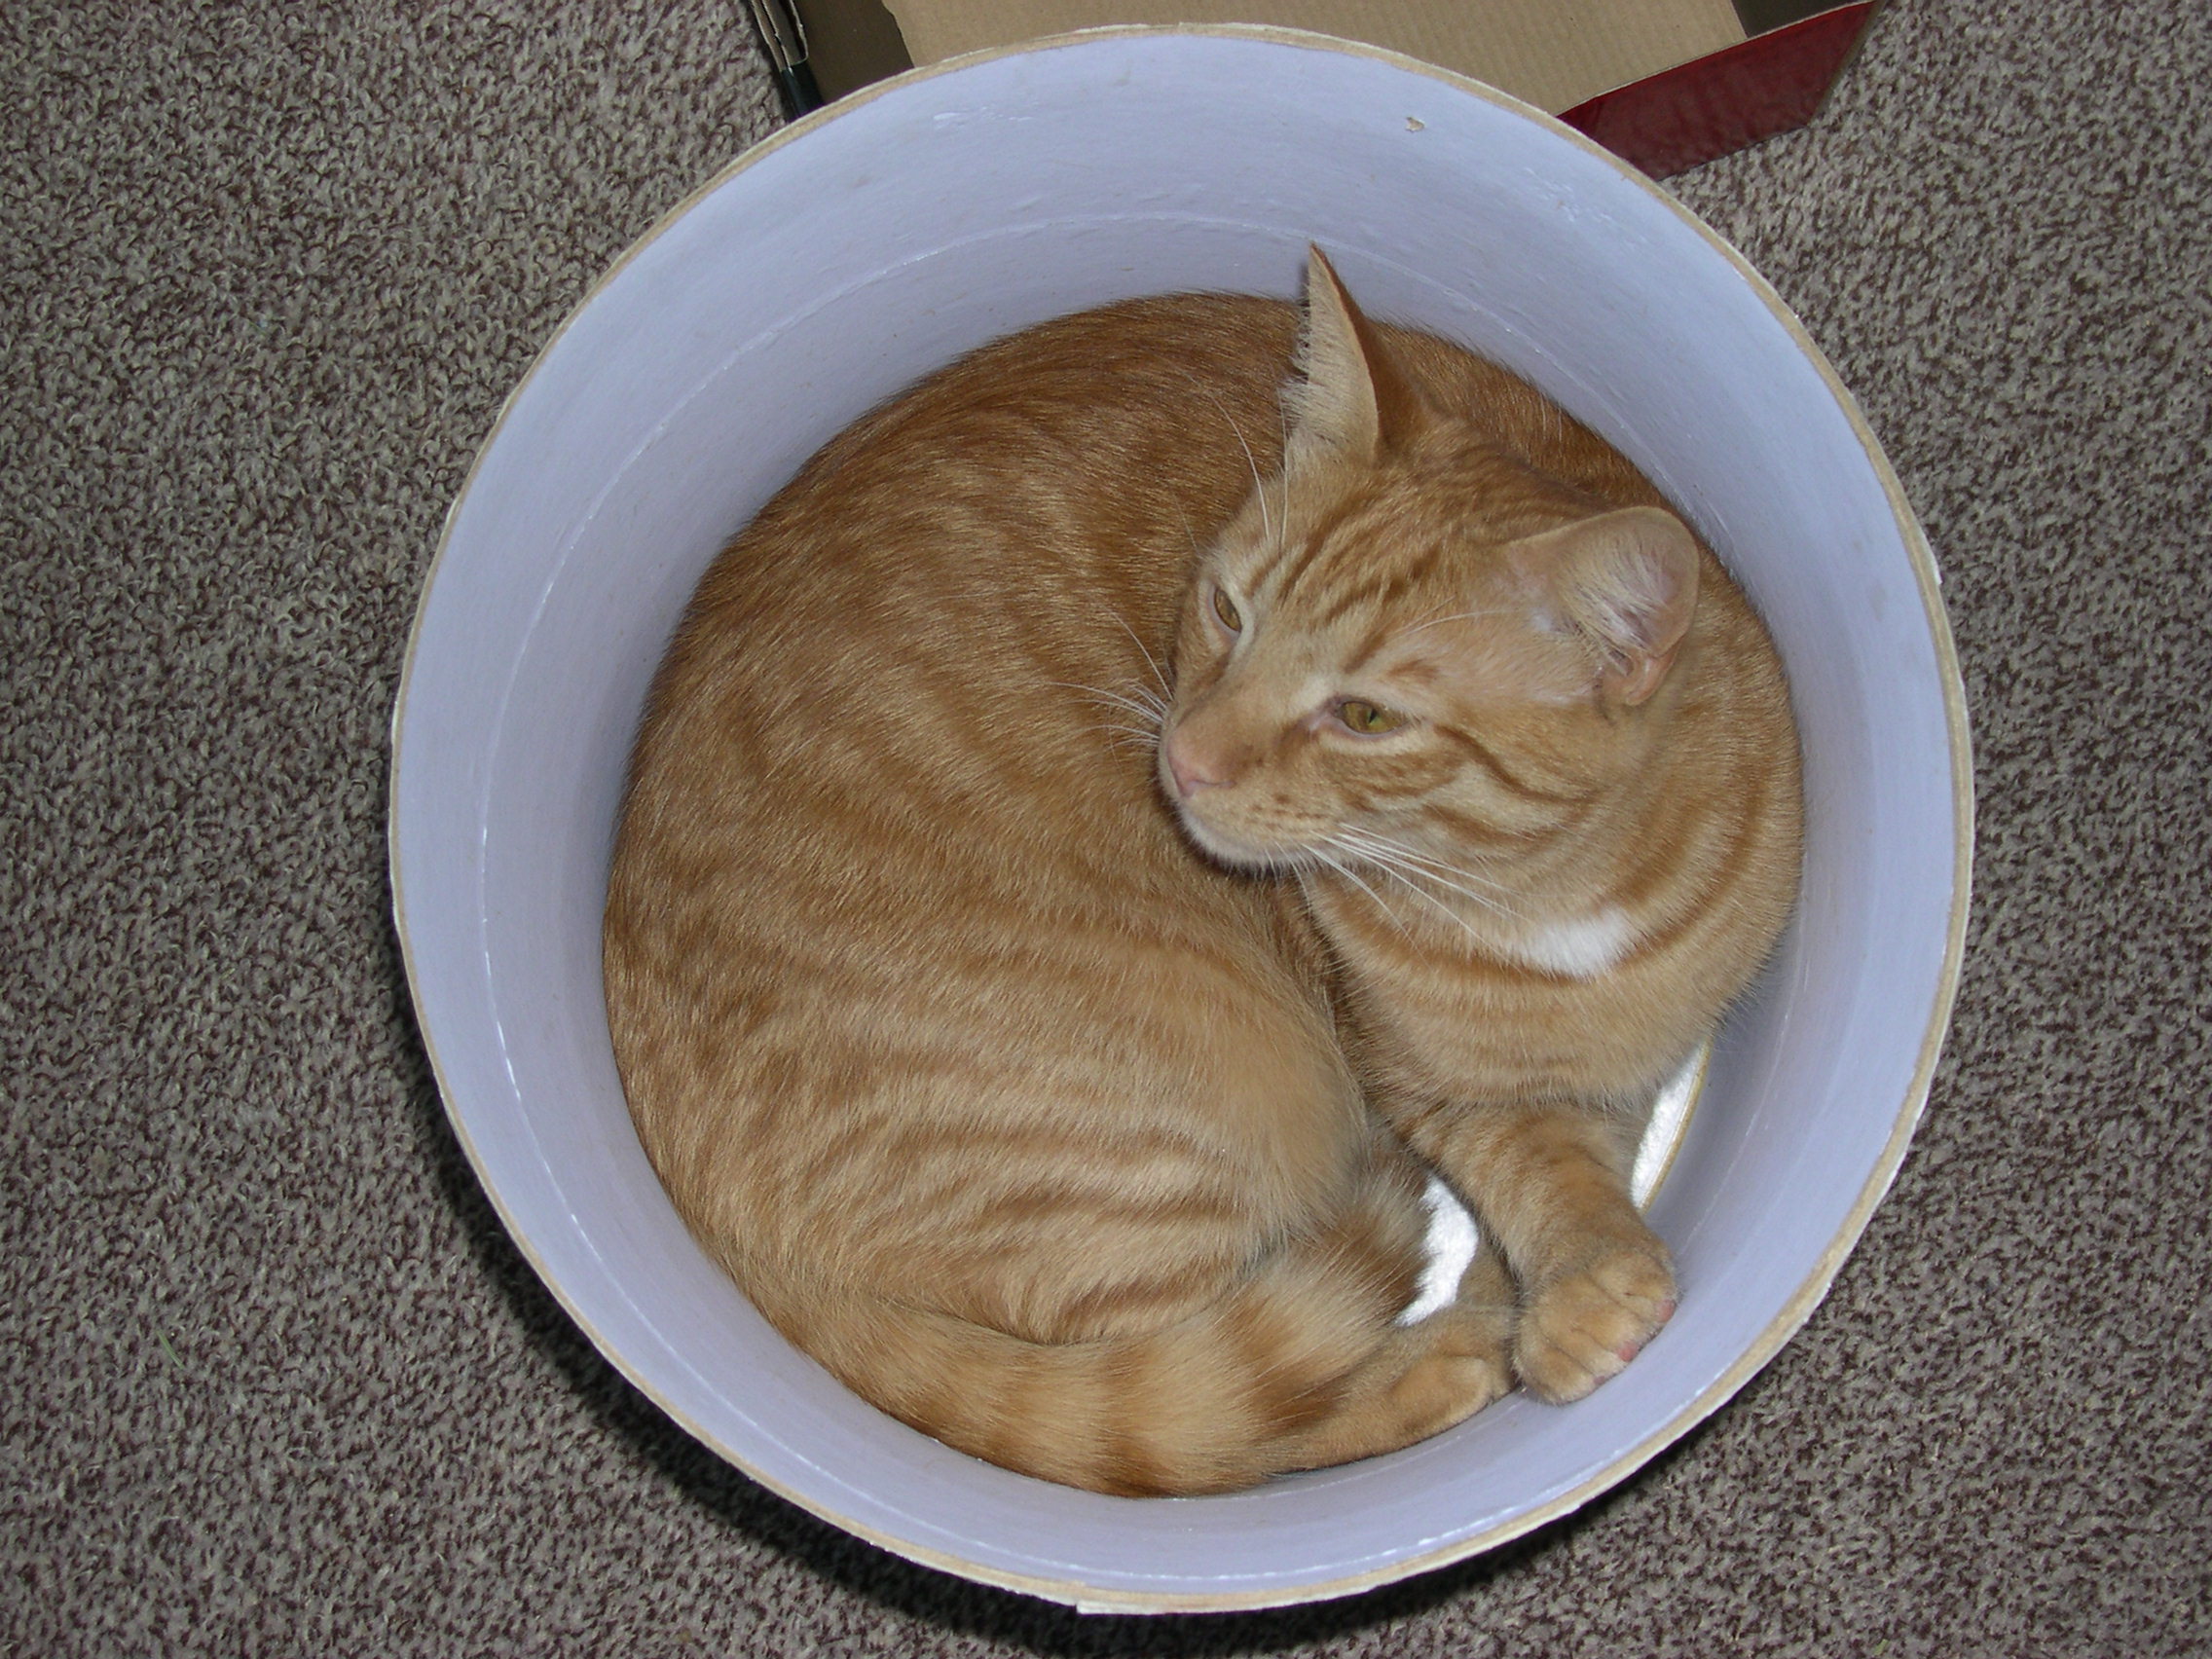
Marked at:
<point>1225,609</point>
<point>1367,718</point>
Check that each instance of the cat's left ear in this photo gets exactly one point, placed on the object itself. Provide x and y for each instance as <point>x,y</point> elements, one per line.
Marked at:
<point>1352,401</point>
<point>1626,580</point>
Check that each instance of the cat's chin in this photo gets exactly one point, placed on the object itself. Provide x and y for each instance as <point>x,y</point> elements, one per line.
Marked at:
<point>1237,853</point>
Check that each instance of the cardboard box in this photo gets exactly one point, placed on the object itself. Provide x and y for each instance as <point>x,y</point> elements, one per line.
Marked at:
<point>1665,84</point>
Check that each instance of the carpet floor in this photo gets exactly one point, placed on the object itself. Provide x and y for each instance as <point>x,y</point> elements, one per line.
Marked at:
<point>272,1380</point>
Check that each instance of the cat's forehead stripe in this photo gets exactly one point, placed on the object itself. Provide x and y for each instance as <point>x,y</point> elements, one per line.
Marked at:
<point>1311,555</point>
<point>1300,554</point>
<point>1361,657</point>
<point>1378,588</point>
<point>1487,759</point>
<point>1297,553</point>
<point>1350,563</point>
<point>1379,632</point>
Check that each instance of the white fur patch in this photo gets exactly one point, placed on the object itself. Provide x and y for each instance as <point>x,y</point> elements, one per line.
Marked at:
<point>1450,1246</point>
<point>1453,1236</point>
<point>1581,950</point>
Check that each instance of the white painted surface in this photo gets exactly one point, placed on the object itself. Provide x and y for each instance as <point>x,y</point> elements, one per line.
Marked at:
<point>1450,1245</point>
<point>830,269</point>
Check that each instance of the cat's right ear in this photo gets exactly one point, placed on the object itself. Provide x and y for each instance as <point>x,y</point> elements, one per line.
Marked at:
<point>1627,581</point>
<point>1351,402</point>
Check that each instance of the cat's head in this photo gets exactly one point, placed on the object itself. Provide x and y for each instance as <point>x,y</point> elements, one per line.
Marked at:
<point>1410,635</point>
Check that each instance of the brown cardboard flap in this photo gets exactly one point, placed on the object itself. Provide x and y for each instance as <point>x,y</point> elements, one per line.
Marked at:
<point>1553,53</point>
<point>854,43</point>
<point>1761,15</point>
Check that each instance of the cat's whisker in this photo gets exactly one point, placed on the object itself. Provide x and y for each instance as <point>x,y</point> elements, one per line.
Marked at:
<point>1457,617</point>
<point>1138,700</point>
<point>1405,849</point>
<point>1188,535</point>
<point>1340,867</point>
<point>1428,897</point>
<point>1413,874</point>
<point>1352,840</point>
<point>1409,868</point>
<point>1420,892</point>
<point>1150,661</point>
<point>1141,737</point>
<point>1150,717</point>
<point>1149,700</point>
<point>1259,485</point>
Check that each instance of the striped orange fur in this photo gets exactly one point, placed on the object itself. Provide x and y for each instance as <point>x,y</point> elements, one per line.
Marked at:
<point>1530,755</point>
<point>1069,1143</point>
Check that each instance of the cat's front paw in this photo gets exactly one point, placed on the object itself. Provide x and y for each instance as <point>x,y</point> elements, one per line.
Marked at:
<point>1585,1324</point>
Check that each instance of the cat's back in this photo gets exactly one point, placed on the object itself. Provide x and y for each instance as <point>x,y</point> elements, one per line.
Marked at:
<point>893,888</point>
<point>966,565</point>
<point>941,616</point>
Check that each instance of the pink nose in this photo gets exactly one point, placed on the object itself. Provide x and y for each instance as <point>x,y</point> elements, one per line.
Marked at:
<point>1191,772</point>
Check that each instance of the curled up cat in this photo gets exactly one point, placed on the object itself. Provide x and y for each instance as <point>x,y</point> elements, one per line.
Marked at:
<point>1118,822</point>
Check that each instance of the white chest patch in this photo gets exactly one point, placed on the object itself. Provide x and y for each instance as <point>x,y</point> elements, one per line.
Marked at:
<point>1581,950</point>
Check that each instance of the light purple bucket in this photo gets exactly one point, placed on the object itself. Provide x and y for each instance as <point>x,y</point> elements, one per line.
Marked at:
<point>839,261</point>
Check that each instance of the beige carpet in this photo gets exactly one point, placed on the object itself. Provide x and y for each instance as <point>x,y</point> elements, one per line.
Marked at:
<point>272,1379</point>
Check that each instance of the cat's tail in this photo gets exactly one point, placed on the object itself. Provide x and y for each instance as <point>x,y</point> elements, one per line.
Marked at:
<point>1301,1365</point>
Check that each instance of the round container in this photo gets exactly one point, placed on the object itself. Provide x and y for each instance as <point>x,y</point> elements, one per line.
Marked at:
<point>831,266</point>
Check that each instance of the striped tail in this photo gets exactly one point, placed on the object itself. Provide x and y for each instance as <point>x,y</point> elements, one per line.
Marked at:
<point>1300,1365</point>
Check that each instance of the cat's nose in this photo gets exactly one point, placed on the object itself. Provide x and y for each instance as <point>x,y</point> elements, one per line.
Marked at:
<point>1192,772</point>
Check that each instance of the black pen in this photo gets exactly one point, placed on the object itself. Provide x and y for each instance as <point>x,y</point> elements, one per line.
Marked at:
<point>785,39</point>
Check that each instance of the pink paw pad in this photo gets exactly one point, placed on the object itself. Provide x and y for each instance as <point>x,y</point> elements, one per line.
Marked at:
<point>1628,1350</point>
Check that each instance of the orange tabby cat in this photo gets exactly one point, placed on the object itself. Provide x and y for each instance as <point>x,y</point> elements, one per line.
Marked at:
<point>1054,1137</point>
<point>1532,754</point>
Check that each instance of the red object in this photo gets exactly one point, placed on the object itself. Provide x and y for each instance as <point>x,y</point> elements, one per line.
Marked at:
<point>1770,84</point>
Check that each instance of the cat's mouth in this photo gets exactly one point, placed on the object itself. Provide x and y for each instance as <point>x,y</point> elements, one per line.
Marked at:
<point>1240,852</point>
<point>1201,804</point>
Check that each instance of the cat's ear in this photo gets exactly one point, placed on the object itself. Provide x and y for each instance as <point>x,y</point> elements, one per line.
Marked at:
<point>1351,401</point>
<point>1627,581</point>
